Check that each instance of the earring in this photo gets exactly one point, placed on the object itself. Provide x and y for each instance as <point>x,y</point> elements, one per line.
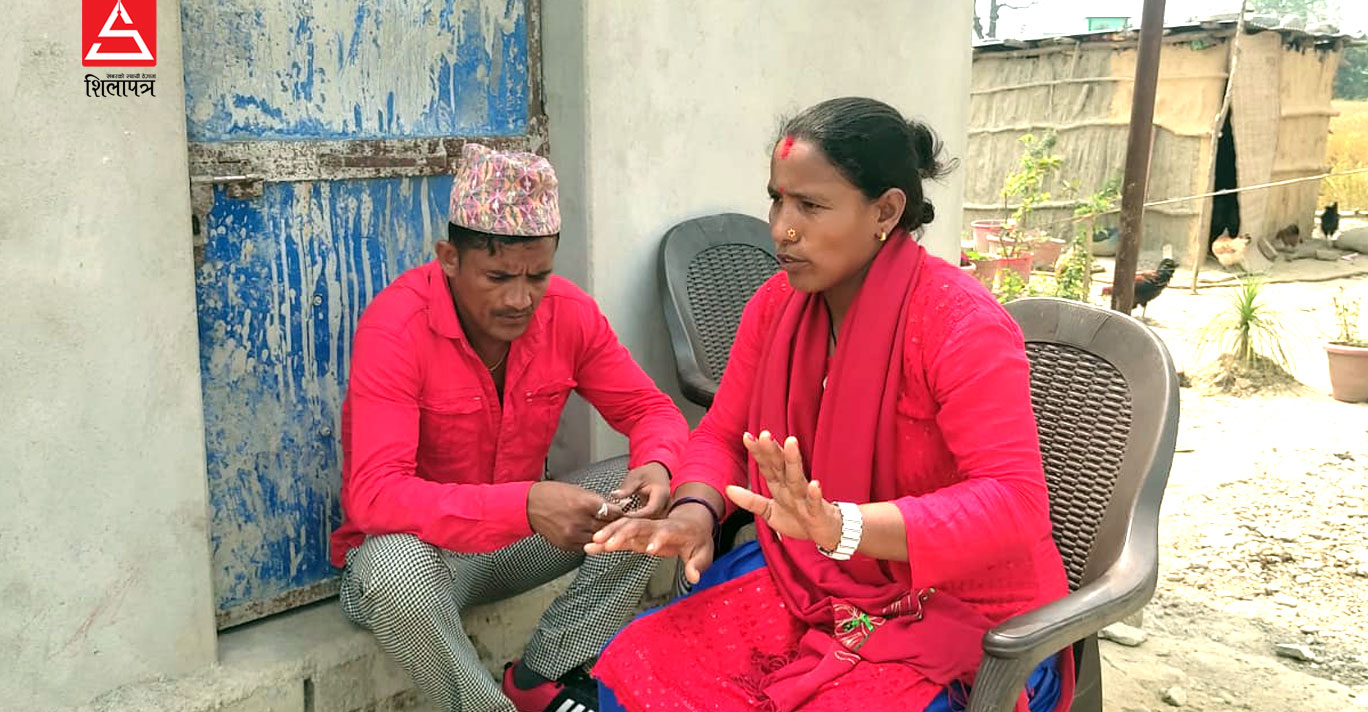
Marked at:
<point>883,236</point>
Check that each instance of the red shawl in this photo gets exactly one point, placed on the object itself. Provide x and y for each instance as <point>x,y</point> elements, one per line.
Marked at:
<point>862,608</point>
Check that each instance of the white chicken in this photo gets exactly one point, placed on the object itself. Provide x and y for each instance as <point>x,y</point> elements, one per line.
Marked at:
<point>1230,251</point>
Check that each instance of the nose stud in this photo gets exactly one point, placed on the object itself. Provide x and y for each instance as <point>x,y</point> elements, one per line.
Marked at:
<point>792,235</point>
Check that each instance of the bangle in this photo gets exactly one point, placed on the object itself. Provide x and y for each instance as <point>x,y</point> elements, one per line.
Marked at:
<point>717,518</point>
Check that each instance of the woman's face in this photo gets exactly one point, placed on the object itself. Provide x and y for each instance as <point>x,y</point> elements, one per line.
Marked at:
<point>826,232</point>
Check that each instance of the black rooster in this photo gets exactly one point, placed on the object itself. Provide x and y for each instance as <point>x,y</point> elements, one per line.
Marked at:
<point>1330,220</point>
<point>1149,284</point>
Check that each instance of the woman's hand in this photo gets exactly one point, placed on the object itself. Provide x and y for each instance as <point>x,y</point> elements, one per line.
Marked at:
<point>797,508</point>
<point>686,534</point>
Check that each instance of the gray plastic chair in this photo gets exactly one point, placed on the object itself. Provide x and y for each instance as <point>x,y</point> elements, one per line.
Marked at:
<point>709,268</point>
<point>1105,394</point>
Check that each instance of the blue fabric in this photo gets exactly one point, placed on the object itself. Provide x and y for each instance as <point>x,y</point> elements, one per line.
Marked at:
<point>736,563</point>
<point>1042,689</point>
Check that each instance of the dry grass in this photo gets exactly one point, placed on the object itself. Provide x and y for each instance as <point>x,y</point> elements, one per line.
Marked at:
<point>1348,149</point>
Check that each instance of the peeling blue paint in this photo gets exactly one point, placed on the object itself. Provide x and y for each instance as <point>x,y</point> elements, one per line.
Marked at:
<point>243,102</point>
<point>357,34</point>
<point>284,280</point>
<point>465,74</point>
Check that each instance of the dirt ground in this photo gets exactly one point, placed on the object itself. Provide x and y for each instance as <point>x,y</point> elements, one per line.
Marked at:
<point>1264,533</point>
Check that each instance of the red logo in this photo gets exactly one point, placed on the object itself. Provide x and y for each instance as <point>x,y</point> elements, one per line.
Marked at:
<point>119,33</point>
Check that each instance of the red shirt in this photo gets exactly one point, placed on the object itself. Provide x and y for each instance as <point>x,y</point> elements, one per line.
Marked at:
<point>427,449</point>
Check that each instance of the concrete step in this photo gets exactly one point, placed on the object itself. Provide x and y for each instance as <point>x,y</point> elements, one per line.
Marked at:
<point>313,660</point>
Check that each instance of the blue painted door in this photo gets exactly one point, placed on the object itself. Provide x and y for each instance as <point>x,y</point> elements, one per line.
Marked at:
<point>323,136</point>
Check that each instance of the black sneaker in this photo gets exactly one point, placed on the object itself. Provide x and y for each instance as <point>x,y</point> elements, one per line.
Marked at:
<point>579,679</point>
<point>553,696</point>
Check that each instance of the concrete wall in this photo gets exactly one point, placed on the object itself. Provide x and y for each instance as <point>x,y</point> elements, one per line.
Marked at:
<point>663,111</point>
<point>103,530</point>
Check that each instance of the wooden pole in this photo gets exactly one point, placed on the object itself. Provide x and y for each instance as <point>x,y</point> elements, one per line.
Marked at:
<point>1197,245</point>
<point>1138,145</point>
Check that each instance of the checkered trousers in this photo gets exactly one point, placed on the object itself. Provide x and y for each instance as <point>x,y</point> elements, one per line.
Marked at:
<point>410,594</point>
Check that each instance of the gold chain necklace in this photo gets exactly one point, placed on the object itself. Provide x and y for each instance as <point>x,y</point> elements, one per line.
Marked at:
<point>498,363</point>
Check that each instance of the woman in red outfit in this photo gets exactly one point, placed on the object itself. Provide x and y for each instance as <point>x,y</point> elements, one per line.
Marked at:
<point>875,415</point>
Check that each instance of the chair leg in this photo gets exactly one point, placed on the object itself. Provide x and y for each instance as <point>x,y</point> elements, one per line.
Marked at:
<point>1088,682</point>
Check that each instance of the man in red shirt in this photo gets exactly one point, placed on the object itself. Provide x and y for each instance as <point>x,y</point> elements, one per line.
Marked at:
<point>459,372</point>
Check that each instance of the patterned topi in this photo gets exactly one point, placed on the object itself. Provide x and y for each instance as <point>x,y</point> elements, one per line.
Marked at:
<point>505,193</point>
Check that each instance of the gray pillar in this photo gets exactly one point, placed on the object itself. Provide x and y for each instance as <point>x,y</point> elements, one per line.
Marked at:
<point>104,529</point>
<point>663,111</point>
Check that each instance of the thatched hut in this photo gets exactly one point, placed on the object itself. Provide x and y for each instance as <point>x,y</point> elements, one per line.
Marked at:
<point>1080,87</point>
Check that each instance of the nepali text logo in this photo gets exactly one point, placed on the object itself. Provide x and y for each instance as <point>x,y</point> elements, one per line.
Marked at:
<point>121,85</point>
<point>119,33</point>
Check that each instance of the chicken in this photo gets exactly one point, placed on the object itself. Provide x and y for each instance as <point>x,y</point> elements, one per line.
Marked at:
<point>1289,236</point>
<point>1064,260</point>
<point>1149,284</point>
<point>1330,220</point>
<point>1230,251</point>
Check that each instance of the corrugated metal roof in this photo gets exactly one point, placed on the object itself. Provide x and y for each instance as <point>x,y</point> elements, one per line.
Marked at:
<point>1291,27</point>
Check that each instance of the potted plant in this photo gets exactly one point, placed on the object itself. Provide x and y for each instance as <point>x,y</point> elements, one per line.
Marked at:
<point>1047,251</point>
<point>1348,354</point>
<point>985,230</point>
<point>966,265</point>
<point>985,266</point>
<point>1017,248</point>
<point>1016,241</point>
<point>1010,286</point>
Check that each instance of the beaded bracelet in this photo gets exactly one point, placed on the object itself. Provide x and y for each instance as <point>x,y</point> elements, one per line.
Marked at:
<point>717,518</point>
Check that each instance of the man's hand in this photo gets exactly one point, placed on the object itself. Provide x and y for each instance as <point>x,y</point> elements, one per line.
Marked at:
<point>648,484</point>
<point>566,515</point>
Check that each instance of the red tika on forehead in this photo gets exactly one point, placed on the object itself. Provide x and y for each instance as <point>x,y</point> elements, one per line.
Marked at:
<point>786,146</point>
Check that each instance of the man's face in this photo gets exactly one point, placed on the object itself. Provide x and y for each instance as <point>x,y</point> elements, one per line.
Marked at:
<point>496,294</point>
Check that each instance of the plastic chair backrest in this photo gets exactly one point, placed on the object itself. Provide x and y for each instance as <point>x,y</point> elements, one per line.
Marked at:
<point>1105,394</point>
<point>709,268</point>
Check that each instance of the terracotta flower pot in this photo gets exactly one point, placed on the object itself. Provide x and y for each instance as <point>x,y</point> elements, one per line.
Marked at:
<point>982,230</point>
<point>1021,264</point>
<point>1047,253</point>
<point>1348,372</point>
<point>995,242</point>
<point>985,269</point>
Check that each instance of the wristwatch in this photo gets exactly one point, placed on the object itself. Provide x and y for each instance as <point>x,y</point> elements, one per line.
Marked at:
<point>852,528</point>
